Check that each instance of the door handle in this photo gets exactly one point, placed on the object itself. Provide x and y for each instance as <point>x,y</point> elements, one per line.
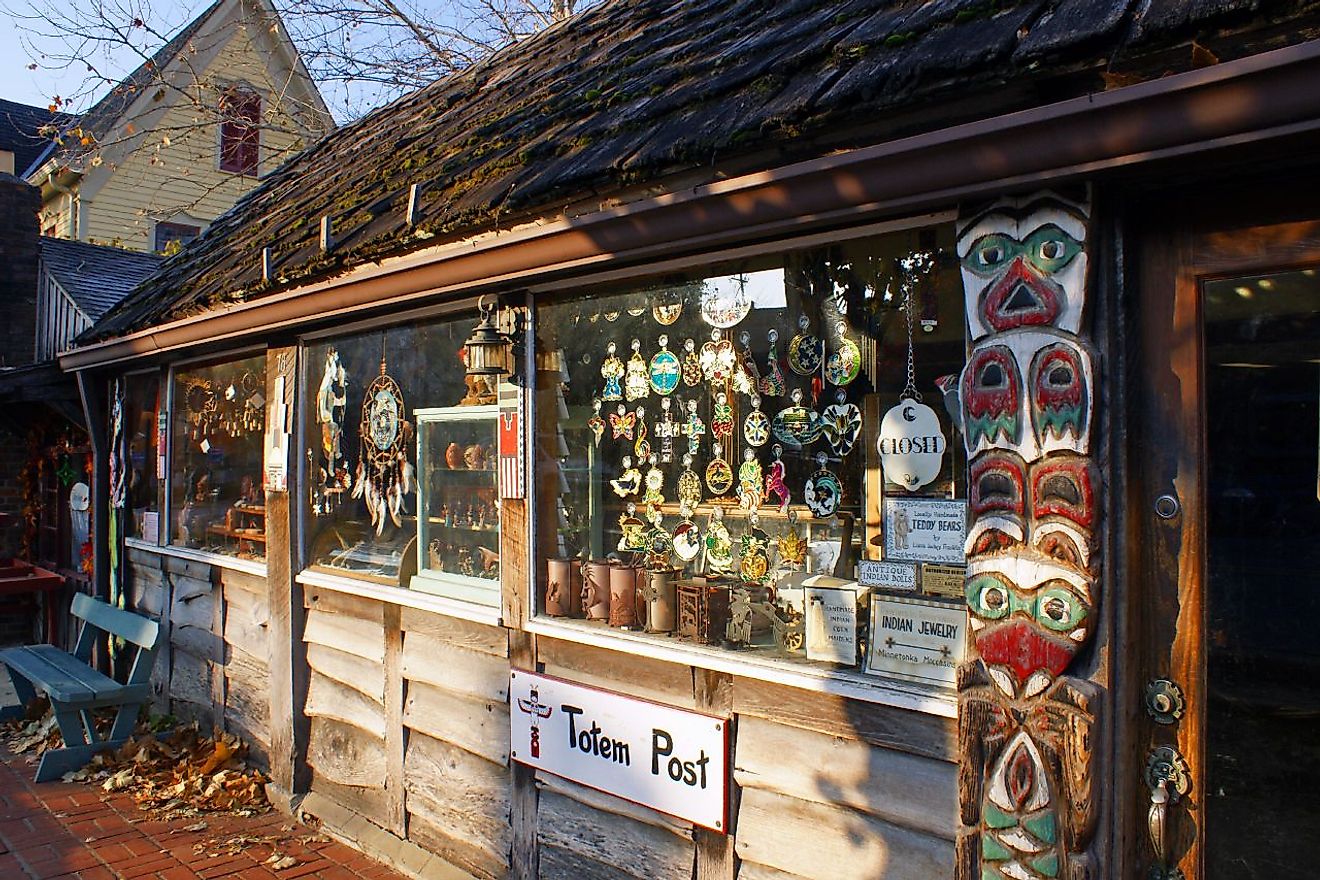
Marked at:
<point>1169,779</point>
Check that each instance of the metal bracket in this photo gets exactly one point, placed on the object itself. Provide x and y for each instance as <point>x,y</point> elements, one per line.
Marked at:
<point>1166,764</point>
<point>1164,701</point>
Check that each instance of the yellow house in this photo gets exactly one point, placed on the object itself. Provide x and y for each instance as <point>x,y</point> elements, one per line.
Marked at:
<point>184,136</point>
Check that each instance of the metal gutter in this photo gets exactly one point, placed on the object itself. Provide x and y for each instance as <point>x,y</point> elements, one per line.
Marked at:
<point>1265,96</point>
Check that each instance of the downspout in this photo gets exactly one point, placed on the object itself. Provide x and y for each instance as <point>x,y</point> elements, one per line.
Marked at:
<point>75,203</point>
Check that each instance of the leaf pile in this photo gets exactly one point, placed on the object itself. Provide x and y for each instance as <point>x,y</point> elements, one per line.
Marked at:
<point>182,774</point>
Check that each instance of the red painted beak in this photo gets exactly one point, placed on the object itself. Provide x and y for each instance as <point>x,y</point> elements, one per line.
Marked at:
<point>1024,649</point>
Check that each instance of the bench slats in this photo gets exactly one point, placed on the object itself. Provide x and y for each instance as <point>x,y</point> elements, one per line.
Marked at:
<point>56,682</point>
<point>98,683</point>
<point>125,624</point>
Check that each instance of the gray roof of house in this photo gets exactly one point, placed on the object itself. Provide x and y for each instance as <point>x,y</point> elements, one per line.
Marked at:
<point>21,132</point>
<point>96,277</point>
<point>641,91</point>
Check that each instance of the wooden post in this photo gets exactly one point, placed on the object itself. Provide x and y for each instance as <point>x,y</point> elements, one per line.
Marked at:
<point>287,660</point>
<point>92,390</point>
<point>396,819</point>
<point>716,860</point>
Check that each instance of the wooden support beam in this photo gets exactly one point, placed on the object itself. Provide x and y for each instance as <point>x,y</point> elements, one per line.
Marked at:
<point>525,858</point>
<point>716,860</point>
<point>287,661</point>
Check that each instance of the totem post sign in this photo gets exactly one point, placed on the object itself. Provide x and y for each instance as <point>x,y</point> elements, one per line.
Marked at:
<point>668,759</point>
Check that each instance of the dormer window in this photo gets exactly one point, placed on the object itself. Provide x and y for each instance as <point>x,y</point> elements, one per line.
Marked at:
<point>240,131</point>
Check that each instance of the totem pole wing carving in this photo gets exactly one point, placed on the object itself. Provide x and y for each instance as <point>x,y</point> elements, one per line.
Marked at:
<point>1026,726</point>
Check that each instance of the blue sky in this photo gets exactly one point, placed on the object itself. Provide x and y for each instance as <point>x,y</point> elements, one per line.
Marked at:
<point>37,87</point>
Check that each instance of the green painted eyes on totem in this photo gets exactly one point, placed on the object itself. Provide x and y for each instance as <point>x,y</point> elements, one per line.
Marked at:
<point>1056,607</point>
<point>1048,248</point>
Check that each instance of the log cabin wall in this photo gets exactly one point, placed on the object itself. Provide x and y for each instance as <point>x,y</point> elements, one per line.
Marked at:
<point>215,666</point>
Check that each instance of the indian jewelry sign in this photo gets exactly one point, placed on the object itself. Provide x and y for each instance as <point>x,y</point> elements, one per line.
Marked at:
<point>917,640</point>
<point>668,759</point>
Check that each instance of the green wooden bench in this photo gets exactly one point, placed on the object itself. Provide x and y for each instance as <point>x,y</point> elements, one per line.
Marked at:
<point>75,688</point>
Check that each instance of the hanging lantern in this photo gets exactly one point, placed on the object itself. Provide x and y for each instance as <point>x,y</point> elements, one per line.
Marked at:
<point>487,347</point>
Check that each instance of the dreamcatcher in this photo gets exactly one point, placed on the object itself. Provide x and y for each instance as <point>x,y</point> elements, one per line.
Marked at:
<point>384,474</point>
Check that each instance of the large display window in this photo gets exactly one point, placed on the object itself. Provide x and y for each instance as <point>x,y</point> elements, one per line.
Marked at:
<point>142,431</point>
<point>761,457</point>
<point>217,502</point>
<point>400,437</point>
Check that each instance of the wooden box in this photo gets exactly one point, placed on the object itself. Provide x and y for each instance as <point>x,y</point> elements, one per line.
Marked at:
<point>703,609</point>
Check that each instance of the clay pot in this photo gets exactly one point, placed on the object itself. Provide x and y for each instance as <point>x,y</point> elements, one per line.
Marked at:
<point>624,580</point>
<point>661,596</point>
<point>454,456</point>
<point>596,589</point>
<point>563,590</point>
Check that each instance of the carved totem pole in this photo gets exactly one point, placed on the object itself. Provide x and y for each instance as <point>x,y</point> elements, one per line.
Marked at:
<point>1026,727</point>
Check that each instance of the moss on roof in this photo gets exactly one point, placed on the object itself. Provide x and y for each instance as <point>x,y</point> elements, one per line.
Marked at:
<point>636,90</point>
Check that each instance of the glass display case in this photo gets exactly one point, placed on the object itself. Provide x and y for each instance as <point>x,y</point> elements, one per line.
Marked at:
<point>458,504</point>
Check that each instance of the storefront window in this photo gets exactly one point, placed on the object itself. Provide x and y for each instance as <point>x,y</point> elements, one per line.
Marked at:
<point>710,466</point>
<point>142,430</point>
<point>216,496</point>
<point>375,399</point>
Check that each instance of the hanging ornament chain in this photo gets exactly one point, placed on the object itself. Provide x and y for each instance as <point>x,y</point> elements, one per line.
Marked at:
<point>914,266</point>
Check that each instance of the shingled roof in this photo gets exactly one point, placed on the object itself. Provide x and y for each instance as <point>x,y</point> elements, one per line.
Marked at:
<point>636,90</point>
<point>22,132</point>
<point>94,276</point>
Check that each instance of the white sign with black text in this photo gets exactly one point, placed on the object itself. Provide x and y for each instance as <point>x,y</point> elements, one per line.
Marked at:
<point>831,626</point>
<point>925,529</point>
<point>668,759</point>
<point>917,640</point>
<point>889,575</point>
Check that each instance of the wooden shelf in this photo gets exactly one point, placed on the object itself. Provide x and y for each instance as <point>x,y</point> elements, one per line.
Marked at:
<point>235,534</point>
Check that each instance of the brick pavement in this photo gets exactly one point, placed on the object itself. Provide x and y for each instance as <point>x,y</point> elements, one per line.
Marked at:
<point>70,831</point>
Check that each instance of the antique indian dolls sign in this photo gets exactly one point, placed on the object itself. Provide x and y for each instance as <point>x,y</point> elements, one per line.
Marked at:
<point>668,759</point>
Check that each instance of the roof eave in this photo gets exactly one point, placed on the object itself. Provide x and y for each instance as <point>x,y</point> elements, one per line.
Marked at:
<point>1264,96</point>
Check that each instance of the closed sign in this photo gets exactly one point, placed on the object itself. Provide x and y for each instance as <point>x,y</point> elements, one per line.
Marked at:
<point>668,759</point>
<point>911,445</point>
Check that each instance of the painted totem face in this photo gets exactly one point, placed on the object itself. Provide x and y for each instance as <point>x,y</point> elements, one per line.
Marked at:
<point>1027,405</point>
<point>1029,616</point>
<point>1024,264</point>
<point>1027,391</point>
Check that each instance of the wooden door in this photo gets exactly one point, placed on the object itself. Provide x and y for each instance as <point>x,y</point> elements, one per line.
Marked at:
<point>1218,733</point>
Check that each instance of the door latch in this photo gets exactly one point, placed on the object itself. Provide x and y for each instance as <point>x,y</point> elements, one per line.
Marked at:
<point>1164,701</point>
<point>1169,779</point>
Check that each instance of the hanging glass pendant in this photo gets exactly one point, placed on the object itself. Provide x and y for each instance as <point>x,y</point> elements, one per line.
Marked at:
<point>633,528</point>
<point>596,423</point>
<point>691,364</point>
<point>845,362</point>
<point>805,350</point>
<point>721,419</point>
<point>666,429</point>
<point>841,423</point>
<point>719,545</point>
<point>749,482</point>
<point>719,476</point>
<point>694,428</point>
<point>665,369</point>
<point>612,370</point>
<point>745,375</point>
<point>772,384</point>
<point>689,485</point>
<point>628,483</point>
<point>823,491</point>
<point>622,423</point>
<point>642,446</point>
<point>775,483</point>
<point>754,554</point>
<point>686,537</point>
<point>655,485</point>
<point>636,381</point>
<point>717,359</point>
<point>666,308</point>
<point>796,426</point>
<point>792,545</point>
<point>756,427</point>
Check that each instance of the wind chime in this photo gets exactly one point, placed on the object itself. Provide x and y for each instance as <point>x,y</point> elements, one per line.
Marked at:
<point>384,474</point>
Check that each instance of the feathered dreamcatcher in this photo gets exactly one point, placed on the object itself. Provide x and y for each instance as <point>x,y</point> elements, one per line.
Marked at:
<point>384,473</point>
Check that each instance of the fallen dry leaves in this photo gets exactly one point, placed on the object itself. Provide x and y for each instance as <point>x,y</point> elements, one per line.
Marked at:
<point>179,774</point>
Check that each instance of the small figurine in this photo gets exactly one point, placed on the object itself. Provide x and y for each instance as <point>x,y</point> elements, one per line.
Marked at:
<point>454,456</point>
<point>738,631</point>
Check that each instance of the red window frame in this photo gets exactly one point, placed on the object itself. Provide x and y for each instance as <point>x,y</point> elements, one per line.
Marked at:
<point>240,131</point>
